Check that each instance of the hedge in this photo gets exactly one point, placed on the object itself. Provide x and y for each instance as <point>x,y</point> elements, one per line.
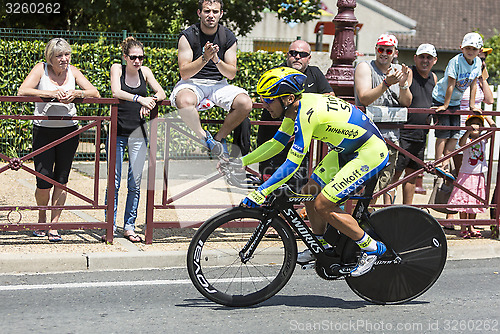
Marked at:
<point>17,58</point>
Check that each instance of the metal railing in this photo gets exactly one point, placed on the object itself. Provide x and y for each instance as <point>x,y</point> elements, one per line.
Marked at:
<point>15,213</point>
<point>80,37</point>
<point>320,149</point>
<point>168,201</point>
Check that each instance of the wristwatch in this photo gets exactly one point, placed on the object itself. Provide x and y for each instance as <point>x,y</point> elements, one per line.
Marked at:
<point>404,87</point>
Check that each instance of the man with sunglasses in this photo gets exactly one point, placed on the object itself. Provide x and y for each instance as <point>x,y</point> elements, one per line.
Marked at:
<point>207,58</point>
<point>382,83</point>
<point>297,57</point>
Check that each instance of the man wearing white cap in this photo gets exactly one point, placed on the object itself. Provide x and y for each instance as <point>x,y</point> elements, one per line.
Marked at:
<point>382,83</point>
<point>414,140</point>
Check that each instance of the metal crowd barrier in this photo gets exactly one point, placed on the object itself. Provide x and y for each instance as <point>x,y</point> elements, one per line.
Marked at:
<point>318,152</point>
<point>429,167</point>
<point>15,213</point>
<point>15,223</point>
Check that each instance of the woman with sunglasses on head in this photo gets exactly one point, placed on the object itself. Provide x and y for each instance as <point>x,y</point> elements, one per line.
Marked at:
<point>129,84</point>
<point>56,79</point>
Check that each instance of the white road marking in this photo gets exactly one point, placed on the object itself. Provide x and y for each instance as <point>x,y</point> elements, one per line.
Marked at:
<point>115,284</point>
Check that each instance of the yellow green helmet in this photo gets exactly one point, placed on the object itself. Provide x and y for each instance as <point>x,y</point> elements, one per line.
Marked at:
<point>281,81</point>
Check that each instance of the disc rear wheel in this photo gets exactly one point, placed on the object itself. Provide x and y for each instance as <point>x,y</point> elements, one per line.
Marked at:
<point>420,243</point>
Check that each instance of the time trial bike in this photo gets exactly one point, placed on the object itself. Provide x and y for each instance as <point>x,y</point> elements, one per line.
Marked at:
<point>232,262</point>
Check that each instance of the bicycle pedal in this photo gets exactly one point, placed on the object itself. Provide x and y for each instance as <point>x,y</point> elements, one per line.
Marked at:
<point>307,266</point>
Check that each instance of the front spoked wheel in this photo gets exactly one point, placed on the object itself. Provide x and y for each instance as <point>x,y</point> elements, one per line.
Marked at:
<point>419,242</point>
<point>219,273</point>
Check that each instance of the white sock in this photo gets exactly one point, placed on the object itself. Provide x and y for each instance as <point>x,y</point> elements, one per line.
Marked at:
<point>367,243</point>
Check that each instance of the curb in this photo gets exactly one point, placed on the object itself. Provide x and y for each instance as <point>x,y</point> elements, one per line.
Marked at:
<point>469,250</point>
<point>46,263</point>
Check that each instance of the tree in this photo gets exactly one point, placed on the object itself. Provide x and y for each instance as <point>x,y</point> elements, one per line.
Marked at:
<point>158,16</point>
<point>493,60</point>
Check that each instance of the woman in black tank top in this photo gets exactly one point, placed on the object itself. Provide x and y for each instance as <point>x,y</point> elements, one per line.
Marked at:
<point>128,84</point>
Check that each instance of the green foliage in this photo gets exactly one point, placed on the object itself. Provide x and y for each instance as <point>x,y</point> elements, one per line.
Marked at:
<point>296,10</point>
<point>157,16</point>
<point>17,58</point>
<point>493,60</point>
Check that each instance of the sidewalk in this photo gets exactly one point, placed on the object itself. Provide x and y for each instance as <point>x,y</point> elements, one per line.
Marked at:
<point>82,250</point>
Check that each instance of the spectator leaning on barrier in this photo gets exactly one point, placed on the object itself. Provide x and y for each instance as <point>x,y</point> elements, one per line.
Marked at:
<point>483,94</point>
<point>207,56</point>
<point>415,140</point>
<point>382,83</point>
<point>461,72</point>
<point>297,57</point>
<point>57,79</point>
<point>129,84</point>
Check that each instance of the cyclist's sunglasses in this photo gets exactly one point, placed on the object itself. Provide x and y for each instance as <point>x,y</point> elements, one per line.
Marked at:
<point>294,53</point>
<point>388,51</point>
<point>267,99</point>
<point>141,58</point>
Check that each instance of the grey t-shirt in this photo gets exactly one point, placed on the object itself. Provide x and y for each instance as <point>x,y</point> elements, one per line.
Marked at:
<point>390,98</point>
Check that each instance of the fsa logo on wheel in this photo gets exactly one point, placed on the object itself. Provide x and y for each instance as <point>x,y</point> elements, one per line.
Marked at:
<point>199,276</point>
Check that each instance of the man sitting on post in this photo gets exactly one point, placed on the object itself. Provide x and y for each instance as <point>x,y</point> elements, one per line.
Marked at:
<point>297,57</point>
<point>207,56</point>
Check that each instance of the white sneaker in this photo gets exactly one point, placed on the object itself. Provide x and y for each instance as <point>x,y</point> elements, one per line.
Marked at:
<point>305,257</point>
<point>367,260</point>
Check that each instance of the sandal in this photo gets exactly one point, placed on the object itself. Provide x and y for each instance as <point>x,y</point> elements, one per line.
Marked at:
<point>39,233</point>
<point>444,173</point>
<point>475,234</point>
<point>55,237</point>
<point>465,234</point>
<point>134,238</point>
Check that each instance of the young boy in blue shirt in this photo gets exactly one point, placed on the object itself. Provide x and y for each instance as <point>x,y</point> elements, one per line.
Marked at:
<point>461,72</point>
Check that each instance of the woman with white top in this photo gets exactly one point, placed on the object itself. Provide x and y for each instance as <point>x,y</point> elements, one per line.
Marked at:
<point>55,79</point>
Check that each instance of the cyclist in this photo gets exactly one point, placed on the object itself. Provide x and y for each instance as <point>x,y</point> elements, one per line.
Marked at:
<point>357,153</point>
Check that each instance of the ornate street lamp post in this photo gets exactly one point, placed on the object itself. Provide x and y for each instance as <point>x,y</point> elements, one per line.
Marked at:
<point>341,74</point>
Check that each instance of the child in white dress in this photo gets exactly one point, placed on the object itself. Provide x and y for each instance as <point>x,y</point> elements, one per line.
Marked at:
<point>471,176</point>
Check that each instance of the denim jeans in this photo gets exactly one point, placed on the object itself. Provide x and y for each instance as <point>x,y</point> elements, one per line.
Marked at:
<point>137,150</point>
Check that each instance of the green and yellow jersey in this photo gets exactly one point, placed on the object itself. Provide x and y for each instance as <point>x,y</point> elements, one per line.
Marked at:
<point>352,137</point>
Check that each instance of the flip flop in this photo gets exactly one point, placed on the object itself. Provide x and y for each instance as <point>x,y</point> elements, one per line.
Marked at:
<point>445,173</point>
<point>134,238</point>
<point>55,237</point>
<point>39,233</point>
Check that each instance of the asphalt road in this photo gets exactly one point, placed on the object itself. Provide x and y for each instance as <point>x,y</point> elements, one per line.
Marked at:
<point>465,299</point>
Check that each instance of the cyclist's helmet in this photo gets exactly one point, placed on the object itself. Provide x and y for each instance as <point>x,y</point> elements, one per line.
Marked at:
<point>281,81</point>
